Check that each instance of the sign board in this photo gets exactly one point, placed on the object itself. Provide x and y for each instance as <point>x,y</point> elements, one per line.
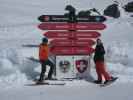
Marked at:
<point>62,18</point>
<point>57,34</point>
<point>82,66</point>
<point>71,43</point>
<point>71,50</point>
<point>72,66</point>
<point>72,34</point>
<point>71,26</point>
<point>64,67</point>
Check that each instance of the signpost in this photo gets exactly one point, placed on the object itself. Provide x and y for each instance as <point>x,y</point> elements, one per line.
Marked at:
<point>72,40</point>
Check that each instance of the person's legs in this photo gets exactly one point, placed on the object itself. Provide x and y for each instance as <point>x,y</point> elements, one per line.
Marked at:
<point>103,71</point>
<point>51,68</point>
<point>43,70</point>
<point>98,71</point>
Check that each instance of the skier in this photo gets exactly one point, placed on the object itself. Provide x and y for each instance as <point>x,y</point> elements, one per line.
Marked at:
<point>43,57</point>
<point>100,65</point>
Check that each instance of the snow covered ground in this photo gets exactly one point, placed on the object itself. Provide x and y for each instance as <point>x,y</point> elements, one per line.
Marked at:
<point>86,92</point>
<point>19,27</point>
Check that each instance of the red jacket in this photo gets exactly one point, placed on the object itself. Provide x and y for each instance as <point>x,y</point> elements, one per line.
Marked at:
<point>43,52</point>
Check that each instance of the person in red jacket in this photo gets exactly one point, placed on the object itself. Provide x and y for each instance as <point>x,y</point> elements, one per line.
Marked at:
<point>43,57</point>
<point>100,65</point>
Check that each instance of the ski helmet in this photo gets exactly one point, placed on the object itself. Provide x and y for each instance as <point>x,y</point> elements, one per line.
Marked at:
<point>45,40</point>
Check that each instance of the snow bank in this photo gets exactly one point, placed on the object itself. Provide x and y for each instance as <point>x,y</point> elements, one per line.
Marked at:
<point>119,52</point>
<point>118,42</point>
<point>120,61</point>
<point>15,69</point>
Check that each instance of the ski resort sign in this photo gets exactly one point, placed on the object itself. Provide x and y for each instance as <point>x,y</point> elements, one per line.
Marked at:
<point>73,37</point>
<point>72,66</point>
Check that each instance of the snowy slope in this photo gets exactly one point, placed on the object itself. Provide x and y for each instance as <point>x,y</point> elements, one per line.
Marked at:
<point>19,26</point>
<point>88,92</point>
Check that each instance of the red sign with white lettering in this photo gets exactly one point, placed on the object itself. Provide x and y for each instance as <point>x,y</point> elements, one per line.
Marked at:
<point>70,43</point>
<point>71,26</point>
<point>57,34</point>
<point>72,34</point>
<point>71,50</point>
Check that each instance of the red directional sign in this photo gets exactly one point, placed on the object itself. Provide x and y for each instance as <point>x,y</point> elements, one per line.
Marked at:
<point>72,26</point>
<point>63,18</point>
<point>72,43</point>
<point>71,34</point>
<point>63,42</point>
<point>72,50</point>
<point>90,26</point>
<point>87,34</point>
<point>84,42</point>
<point>56,26</point>
<point>57,34</point>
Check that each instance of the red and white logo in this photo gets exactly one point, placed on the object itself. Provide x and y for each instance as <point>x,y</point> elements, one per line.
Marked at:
<point>81,65</point>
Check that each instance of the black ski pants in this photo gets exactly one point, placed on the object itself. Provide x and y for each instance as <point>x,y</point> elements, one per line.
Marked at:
<point>43,69</point>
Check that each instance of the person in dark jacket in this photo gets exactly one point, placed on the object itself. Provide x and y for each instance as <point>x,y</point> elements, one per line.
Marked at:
<point>100,65</point>
<point>43,57</point>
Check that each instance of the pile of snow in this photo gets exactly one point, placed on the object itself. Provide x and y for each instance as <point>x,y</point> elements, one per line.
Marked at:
<point>14,68</point>
<point>119,61</point>
<point>119,53</point>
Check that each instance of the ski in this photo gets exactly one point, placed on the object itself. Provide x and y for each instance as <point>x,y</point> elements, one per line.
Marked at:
<point>45,83</point>
<point>108,83</point>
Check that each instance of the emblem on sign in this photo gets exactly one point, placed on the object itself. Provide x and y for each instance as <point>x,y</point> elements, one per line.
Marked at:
<point>81,65</point>
<point>46,18</point>
<point>64,66</point>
